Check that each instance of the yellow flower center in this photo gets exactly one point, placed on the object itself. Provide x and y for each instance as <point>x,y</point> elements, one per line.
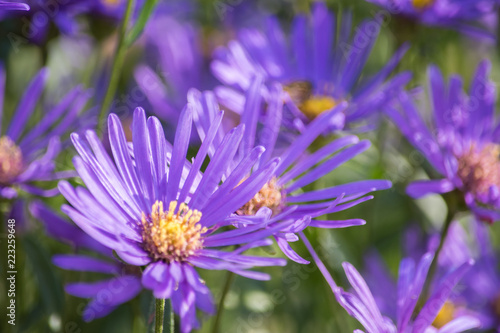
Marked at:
<point>445,315</point>
<point>479,169</point>
<point>422,4</point>
<point>112,2</point>
<point>311,105</point>
<point>270,196</point>
<point>11,160</point>
<point>316,105</point>
<point>172,235</point>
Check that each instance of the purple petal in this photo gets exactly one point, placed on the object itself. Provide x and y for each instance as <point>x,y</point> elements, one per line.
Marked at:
<point>422,188</point>
<point>77,262</point>
<point>337,223</point>
<point>364,293</point>
<point>461,324</point>
<point>27,104</point>
<point>181,143</point>
<point>289,252</point>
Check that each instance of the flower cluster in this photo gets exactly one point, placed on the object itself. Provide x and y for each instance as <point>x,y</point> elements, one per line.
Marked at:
<point>240,150</point>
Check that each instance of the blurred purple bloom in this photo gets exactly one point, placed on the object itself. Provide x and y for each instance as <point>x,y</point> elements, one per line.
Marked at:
<point>27,154</point>
<point>281,200</point>
<point>106,294</point>
<point>481,286</point>
<point>461,15</point>
<point>155,209</point>
<point>361,304</point>
<point>64,15</point>
<point>180,66</point>
<point>461,143</point>
<point>37,21</point>
<point>317,67</point>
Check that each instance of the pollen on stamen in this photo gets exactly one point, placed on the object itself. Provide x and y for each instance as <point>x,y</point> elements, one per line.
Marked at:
<point>316,105</point>
<point>172,235</point>
<point>11,160</point>
<point>271,195</point>
<point>479,168</point>
<point>422,4</point>
<point>301,93</point>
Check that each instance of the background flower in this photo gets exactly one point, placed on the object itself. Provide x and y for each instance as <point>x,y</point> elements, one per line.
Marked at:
<point>318,66</point>
<point>456,14</point>
<point>461,143</point>
<point>283,199</point>
<point>361,305</point>
<point>28,154</point>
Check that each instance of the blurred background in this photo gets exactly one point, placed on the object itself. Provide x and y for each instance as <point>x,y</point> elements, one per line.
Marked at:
<point>297,299</point>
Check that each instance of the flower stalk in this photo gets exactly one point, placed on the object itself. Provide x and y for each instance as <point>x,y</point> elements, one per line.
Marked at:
<point>451,200</point>
<point>220,308</point>
<point>118,60</point>
<point>159,314</point>
<point>163,306</point>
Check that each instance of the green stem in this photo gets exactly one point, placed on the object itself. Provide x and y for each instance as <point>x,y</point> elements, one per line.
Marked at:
<point>498,29</point>
<point>163,306</point>
<point>220,308</point>
<point>119,59</point>
<point>160,312</point>
<point>452,210</point>
<point>170,310</point>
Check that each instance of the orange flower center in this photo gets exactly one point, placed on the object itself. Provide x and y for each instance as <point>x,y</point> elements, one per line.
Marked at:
<point>270,196</point>
<point>11,160</point>
<point>479,169</point>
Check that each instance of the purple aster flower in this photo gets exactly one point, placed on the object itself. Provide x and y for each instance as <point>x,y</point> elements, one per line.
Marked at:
<point>480,290</point>
<point>393,305</point>
<point>461,142</point>
<point>9,5</point>
<point>361,304</point>
<point>461,15</point>
<point>27,154</point>
<point>283,200</point>
<point>318,68</point>
<point>455,253</point>
<point>155,209</point>
<point>107,294</point>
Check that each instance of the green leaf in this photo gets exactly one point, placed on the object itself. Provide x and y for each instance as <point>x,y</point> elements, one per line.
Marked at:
<point>147,304</point>
<point>49,283</point>
<point>139,25</point>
